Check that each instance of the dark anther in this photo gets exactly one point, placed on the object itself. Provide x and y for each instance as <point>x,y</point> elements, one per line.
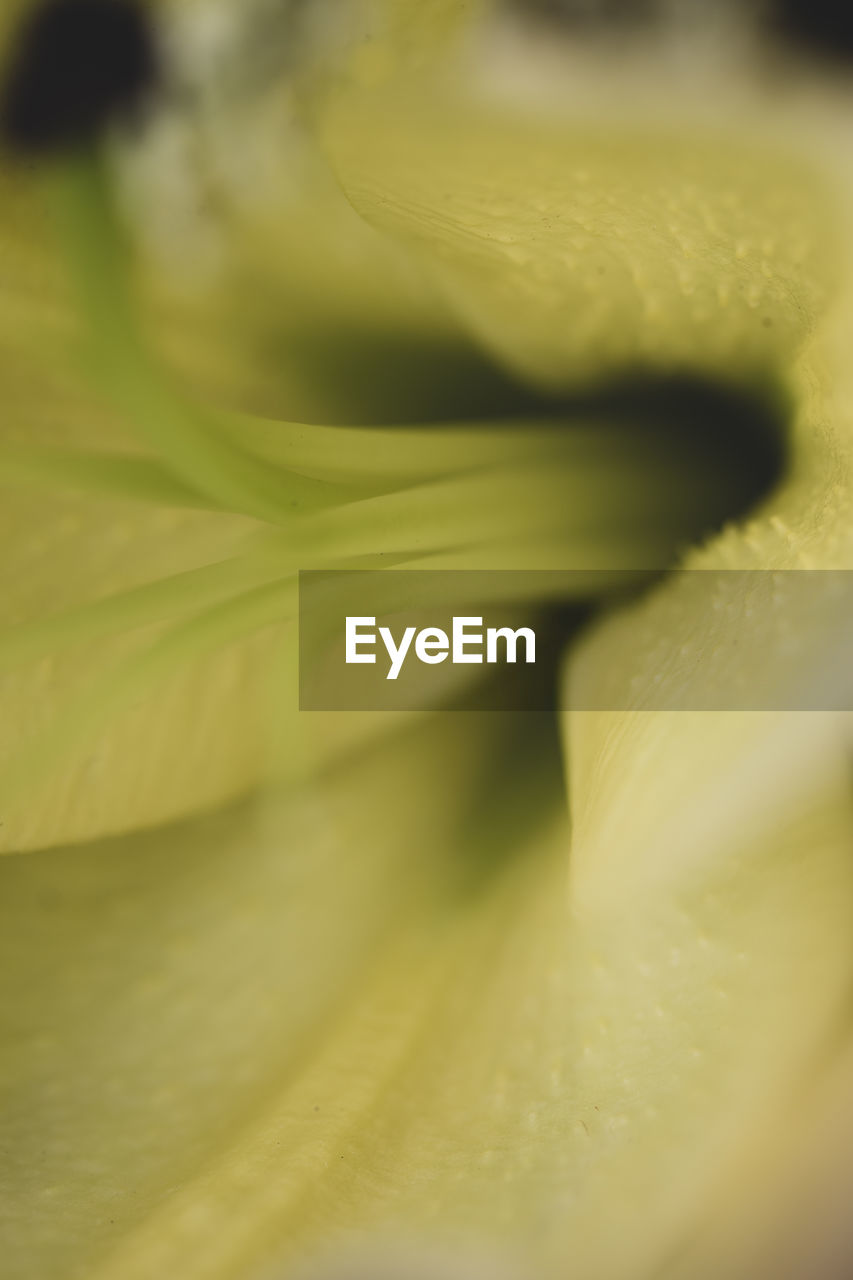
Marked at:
<point>78,65</point>
<point>822,26</point>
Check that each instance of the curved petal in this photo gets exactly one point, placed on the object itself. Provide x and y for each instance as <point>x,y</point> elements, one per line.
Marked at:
<point>576,250</point>
<point>65,550</point>
<point>228,1022</point>
<point>715,845</point>
<point>710,851</point>
<point>598,1049</point>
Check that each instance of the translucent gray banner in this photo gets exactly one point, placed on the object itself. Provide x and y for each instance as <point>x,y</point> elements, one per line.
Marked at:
<point>727,640</point>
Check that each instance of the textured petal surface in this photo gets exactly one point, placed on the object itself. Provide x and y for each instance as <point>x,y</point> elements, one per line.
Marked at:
<point>710,865</point>
<point>577,249</point>
<point>218,1049</point>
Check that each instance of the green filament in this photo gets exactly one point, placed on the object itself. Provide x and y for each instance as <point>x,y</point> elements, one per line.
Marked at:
<point>213,466</point>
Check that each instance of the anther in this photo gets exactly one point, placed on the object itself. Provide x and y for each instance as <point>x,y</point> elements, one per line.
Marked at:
<point>78,66</point>
<point>824,27</point>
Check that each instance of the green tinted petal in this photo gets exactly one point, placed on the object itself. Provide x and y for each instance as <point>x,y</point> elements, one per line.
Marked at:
<point>284,1038</point>
<point>187,743</point>
<point>576,249</point>
<point>85,517</point>
<point>204,1025</point>
<point>711,874</point>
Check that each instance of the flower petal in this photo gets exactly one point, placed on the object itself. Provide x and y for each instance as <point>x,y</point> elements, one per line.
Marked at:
<point>576,249</point>
<point>710,851</point>
<point>716,840</point>
<point>206,1024</point>
<point>65,550</point>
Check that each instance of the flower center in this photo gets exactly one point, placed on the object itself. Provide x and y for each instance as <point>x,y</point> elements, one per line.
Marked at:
<point>620,478</point>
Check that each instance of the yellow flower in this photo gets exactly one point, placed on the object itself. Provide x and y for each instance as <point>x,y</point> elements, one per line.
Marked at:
<point>549,994</point>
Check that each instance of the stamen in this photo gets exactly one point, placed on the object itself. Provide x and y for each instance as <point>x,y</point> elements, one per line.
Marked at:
<point>180,434</point>
<point>100,474</point>
<point>619,488</point>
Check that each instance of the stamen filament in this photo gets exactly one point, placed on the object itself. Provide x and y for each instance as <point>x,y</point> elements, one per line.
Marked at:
<point>101,474</point>
<point>216,467</point>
